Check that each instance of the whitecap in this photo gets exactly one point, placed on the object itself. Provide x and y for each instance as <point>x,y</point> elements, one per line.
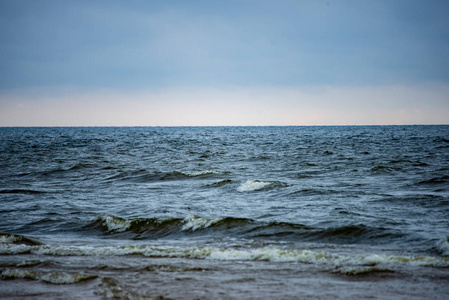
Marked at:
<point>199,173</point>
<point>194,223</point>
<point>255,185</point>
<point>9,274</point>
<point>115,224</point>
<point>9,238</point>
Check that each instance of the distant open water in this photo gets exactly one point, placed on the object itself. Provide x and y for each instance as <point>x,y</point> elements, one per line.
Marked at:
<point>225,212</point>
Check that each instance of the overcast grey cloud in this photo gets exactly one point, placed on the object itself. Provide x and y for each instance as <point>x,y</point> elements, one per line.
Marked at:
<point>141,43</point>
<point>225,45</point>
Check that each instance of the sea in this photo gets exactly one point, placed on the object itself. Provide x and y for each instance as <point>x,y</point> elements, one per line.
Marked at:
<point>319,212</point>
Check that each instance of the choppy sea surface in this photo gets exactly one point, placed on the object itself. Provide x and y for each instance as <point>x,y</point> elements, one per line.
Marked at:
<point>225,212</point>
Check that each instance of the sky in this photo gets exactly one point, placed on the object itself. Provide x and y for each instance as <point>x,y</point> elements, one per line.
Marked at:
<point>223,63</point>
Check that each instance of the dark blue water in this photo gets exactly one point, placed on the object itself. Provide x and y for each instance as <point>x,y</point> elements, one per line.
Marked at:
<point>341,200</point>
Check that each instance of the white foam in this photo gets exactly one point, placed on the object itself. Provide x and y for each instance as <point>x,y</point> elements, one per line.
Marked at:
<point>19,274</point>
<point>65,278</point>
<point>7,239</point>
<point>53,277</point>
<point>194,223</point>
<point>199,173</point>
<point>383,259</point>
<point>272,254</point>
<point>253,185</point>
<point>116,224</point>
<point>257,254</point>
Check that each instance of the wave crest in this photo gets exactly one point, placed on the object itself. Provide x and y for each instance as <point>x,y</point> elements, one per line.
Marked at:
<point>153,227</point>
<point>255,185</point>
<point>227,254</point>
<point>144,175</point>
<point>180,175</point>
<point>150,228</point>
<point>17,239</point>
<point>193,223</point>
<point>52,277</point>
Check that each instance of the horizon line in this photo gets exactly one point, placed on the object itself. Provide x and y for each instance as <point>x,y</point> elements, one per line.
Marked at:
<point>198,126</point>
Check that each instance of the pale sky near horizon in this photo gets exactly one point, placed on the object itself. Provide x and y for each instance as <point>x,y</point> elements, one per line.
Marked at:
<point>183,63</point>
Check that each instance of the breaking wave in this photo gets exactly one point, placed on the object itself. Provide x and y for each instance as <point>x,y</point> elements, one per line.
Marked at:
<point>16,239</point>
<point>151,228</point>
<point>255,185</point>
<point>193,223</point>
<point>225,254</point>
<point>50,277</point>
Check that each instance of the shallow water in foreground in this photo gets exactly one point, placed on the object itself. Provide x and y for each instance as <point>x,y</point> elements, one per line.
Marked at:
<point>225,212</point>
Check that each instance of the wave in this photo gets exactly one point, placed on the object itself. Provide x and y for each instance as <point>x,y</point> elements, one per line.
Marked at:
<point>180,175</point>
<point>163,227</point>
<point>354,234</point>
<point>17,239</point>
<point>269,254</point>
<point>256,185</point>
<point>220,183</point>
<point>352,231</point>
<point>150,226</point>
<point>194,223</point>
<point>362,270</point>
<point>148,176</point>
<point>153,228</point>
<point>49,277</point>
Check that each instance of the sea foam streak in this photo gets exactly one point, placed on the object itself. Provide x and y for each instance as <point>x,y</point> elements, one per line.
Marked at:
<point>253,254</point>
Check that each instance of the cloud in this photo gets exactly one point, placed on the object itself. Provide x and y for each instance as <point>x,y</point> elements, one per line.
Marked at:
<point>117,44</point>
<point>325,105</point>
<point>250,62</point>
